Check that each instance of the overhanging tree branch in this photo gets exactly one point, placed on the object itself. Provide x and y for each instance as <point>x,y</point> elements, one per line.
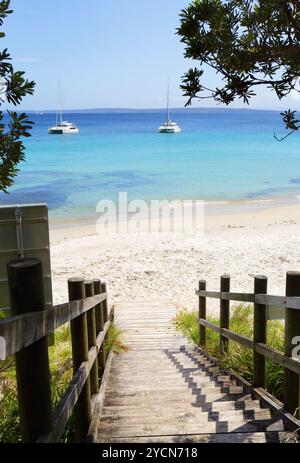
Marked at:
<point>13,88</point>
<point>250,43</point>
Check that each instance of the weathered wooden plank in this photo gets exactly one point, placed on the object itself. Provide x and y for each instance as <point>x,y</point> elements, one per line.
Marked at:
<point>176,400</point>
<point>219,438</point>
<point>260,332</point>
<point>189,398</point>
<point>148,382</point>
<point>165,387</point>
<point>291,423</point>
<point>147,390</point>
<point>261,348</point>
<point>226,295</point>
<point>267,400</point>
<point>278,301</point>
<point>264,299</point>
<point>202,313</point>
<point>278,357</point>
<point>126,410</point>
<point>92,337</point>
<point>172,342</point>
<point>210,294</point>
<point>188,384</point>
<point>25,282</point>
<point>168,368</point>
<point>209,325</point>
<point>247,342</point>
<point>94,426</point>
<point>154,337</point>
<point>224,313</point>
<point>67,403</point>
<point>193,427</point>
<point>101,336</point>
<point>22,331</point>
<point>190,413</point>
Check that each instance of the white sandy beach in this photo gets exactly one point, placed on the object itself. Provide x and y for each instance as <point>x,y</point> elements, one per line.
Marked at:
<point>142,266</point>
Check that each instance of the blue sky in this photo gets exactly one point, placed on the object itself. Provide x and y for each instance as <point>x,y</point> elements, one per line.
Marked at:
<point>109,53</point>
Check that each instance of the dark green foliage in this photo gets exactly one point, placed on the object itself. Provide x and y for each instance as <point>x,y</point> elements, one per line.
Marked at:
<point>13,87</point>
<point>249,43</point>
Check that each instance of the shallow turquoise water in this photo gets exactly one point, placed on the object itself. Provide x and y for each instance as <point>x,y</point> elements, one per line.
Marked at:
<point>220,155</point>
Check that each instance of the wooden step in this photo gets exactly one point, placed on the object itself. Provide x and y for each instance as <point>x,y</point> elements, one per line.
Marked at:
<point>164,390</point>
<point>176,385</point>
<point>220,438</point>
<point>145,400</point>
<point>187,427</point>
<point>139,381</point>
<point>183,406</point>
<point>162,415</point>
<point>165,376</point>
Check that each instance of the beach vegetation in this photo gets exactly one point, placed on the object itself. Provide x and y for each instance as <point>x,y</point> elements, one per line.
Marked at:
<point>13,126</point>
<point>250,44</point>
<point>114,342</point>
<point>238,359</point>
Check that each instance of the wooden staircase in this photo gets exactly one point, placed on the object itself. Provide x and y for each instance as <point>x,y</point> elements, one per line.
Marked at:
<point>167,390</point>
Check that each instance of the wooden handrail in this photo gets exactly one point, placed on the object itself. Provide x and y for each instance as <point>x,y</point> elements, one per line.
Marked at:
<point>283,302</point>
<point>26,336</point>
<point>278,357</point>
<point>261,351</point>
<point>269,352</point>
<point>23,330</point>
<point>67,403</point>
<point>226,333</point>
<point>70,398</point>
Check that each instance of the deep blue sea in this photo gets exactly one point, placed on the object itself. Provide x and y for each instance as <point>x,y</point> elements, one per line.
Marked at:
<point>220,155</point>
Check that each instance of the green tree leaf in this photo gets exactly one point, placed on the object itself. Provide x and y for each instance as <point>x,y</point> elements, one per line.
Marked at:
<point>248,43</point>
<point>13,88</point>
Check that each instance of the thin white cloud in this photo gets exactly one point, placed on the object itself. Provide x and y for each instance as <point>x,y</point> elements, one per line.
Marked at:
<point>26,59</point>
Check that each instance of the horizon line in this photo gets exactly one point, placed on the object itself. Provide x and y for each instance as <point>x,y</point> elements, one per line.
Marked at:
<point>191,109</point>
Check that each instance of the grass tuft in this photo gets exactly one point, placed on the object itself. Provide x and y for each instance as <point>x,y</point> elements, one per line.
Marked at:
<point>114,342</point>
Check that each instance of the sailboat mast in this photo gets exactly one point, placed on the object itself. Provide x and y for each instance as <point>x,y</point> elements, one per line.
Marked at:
<point>60,103</point>
<point>168,103</point>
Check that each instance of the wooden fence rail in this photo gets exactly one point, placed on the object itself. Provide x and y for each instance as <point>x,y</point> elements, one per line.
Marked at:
<point>25,335</point>
<point>262,301</point>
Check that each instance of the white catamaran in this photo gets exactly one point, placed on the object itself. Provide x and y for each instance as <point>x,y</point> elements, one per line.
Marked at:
<point>62,127</point>
<point>169,126</point>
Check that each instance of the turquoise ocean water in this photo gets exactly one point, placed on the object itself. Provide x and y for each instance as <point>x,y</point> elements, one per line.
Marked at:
<point>220,155</point>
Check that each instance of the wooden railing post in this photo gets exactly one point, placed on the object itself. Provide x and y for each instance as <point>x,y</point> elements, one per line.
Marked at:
<point>224,312</point>
<point>292,329</point>
<point>80,354</point>
<point>105,309</point>
<point>202,314</point>
<point>92,338</point>
<point>260,332</point>
<point>25,280</point>
<point>99,328</point>
<point>98,311</point>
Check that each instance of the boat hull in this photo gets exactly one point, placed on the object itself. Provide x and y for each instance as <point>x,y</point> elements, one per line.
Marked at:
<point>169,130</point>
<point>59,131</point>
